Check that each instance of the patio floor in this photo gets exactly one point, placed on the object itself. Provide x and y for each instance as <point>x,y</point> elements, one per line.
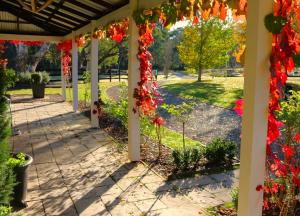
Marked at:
<point>79,171</point>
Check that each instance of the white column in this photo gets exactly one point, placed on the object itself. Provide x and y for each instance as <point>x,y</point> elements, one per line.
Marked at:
<point>63,81</point>
<point>94,77</point>
<point>255,119</point>
<point>133,79</point>
<point>75,72</point>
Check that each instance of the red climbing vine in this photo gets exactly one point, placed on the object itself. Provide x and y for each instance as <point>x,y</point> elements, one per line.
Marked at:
<point>66,47</point>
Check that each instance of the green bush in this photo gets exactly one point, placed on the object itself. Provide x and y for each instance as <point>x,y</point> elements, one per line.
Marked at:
<point>235,197</point>
<point>5,210</point>
<point>7,178</point>
<point>220,151</point>
<point>7,80</point>
<point>40,77</point>
<point>24,78</point>
<point>187,158</point>
<point>18,160</point>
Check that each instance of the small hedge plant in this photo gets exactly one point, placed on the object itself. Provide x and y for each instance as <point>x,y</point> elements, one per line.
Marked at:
<point>235,197</point>
<point>5,210</point>
<point>17,161</point>
<point>220,151</point>
<point>187,158</point>
<point>40,78</point>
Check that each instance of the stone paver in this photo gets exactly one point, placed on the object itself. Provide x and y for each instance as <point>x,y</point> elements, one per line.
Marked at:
<point>78,171</point>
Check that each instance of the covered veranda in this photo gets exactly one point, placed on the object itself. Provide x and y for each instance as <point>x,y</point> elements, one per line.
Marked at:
<point>65,20</point>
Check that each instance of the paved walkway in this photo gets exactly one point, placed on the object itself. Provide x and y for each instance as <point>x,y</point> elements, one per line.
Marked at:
<point>78,170</point>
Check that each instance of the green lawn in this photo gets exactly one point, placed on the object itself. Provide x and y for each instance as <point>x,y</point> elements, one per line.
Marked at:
<point>220,91</point>
<point>81,90</point>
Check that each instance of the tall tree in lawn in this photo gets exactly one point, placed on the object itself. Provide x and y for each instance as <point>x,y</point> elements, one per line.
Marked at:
<point>158,48</point>
<point>206,45</point>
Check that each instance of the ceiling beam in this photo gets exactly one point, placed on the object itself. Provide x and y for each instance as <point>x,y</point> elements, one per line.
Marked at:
<point>14,21</point>
<point>86,7</point>
<point>29,14</point>
<point>66,16</point>
<point>57,7</point>
<point>70,22</point>
<point>32,19</point>
<point>72,11</point>
<point>30,37</point>
<point>104,3</point>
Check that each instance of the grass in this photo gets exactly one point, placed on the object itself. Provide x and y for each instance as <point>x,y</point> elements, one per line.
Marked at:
<point>173,139</point>
<point>219,91</point>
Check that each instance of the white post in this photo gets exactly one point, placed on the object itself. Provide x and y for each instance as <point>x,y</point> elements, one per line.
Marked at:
<point>63,81</point>
<point>75,72</point>
<point>255,119</point>
<point>94,77</point>
<point>133,79</point>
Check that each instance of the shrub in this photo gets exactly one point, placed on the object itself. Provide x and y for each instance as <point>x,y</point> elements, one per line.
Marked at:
<point>220,151</point>
<point>7,80</point>
<point>7,178</point>
<point>235,197</point>
<point>24,78</point>
<point>40,77</point>
<point>5,210</point>
<point>18,160</point>
<point>186,158</point>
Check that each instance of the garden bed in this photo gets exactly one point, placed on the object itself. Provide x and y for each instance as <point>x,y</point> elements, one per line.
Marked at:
<point>228,210</point>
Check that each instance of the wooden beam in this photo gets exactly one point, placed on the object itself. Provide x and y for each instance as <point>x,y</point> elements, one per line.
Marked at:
<point>66,16</point>
<point>94,56</point>
<point>134,136</point>
<point>30,37</point>
<point>115,15</point>
<point>70,22</point>
<point>255,117</point>
<point>75,73</point>
<point>86,7</point>
<point>73,11</point>
<point>104,3</point>
<point>57,7</point>
<point>14,21</point>
<point>32,18</point>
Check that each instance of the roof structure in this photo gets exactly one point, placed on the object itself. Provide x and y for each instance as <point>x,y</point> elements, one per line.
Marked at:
<point>59,18</point>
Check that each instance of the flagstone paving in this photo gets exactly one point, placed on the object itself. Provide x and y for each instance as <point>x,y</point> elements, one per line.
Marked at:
<point>78,170</point>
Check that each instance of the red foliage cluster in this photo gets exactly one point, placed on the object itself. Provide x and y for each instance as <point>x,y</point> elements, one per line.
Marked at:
<point>66,47</point>
<point>27,43</point>
<point>3,62</point>
<point>147,94</point>
<point>115,31</point>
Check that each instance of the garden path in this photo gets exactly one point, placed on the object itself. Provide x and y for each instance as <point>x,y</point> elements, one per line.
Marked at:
<point>78,170</point>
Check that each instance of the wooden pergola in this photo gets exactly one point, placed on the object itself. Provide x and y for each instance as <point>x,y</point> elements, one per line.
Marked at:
<point>66,19</point>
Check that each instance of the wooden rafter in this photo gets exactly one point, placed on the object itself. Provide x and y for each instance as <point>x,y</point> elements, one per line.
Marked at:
<point>34,7</point>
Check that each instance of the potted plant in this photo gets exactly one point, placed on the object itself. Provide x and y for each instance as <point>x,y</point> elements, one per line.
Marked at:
<point>38,84</point>
<point>20,163</point>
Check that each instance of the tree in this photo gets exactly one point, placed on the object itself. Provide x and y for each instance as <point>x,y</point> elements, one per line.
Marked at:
<point>206,45</point>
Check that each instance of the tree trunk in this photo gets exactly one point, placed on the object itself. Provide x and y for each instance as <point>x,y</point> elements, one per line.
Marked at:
<point>199,75</point>
<point>39,56</point>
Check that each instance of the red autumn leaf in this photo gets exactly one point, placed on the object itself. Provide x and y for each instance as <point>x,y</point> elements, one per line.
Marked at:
<point>259,188</point>
<point>239,107</point>
<point>288,151</point>
<point>223,12</point>
<point>290,65</point>
<point>297,137</point>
